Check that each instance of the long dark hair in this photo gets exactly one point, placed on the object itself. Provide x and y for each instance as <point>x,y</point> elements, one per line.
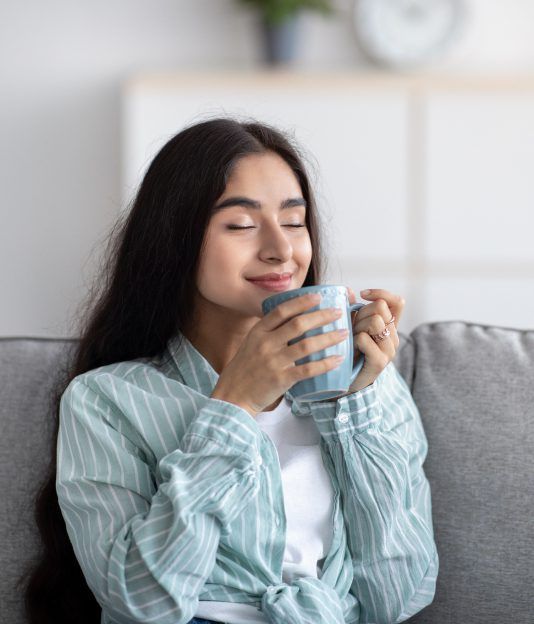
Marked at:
<point>139,299</point>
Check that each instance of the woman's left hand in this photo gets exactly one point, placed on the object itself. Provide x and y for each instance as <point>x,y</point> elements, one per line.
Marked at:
<point>370,321</point>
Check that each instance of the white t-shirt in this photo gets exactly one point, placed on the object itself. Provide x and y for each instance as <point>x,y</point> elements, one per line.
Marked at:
<point>308,502</point>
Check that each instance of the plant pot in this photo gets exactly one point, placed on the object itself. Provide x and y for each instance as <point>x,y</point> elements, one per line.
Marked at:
<point>280,40</point>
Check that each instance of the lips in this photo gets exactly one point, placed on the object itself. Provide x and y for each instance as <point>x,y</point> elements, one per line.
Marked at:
<point>274,285</point>
<point>270,277</point>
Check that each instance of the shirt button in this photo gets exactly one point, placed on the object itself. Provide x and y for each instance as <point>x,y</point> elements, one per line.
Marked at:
<point>258,459</point>
<point>277,520</point>
<point>343,418</point>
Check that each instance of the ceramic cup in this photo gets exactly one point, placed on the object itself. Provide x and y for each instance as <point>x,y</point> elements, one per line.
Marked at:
<point>335,381</point>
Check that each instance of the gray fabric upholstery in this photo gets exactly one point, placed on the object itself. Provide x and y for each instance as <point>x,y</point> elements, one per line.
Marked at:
<point>473,386</point>
<point>29,367</point>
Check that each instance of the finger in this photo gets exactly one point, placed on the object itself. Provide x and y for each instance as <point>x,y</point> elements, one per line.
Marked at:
<point>385,343</point>
<point>395,302</point>
<point>387,346</point>
<point>375,358</point>
<point>378,307</point>
<point>375,325</point>
<point>287,310</point>
<point>394,336</point>
<point>372,324</point>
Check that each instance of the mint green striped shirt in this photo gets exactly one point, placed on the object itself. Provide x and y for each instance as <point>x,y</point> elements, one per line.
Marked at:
<point>170,497</point>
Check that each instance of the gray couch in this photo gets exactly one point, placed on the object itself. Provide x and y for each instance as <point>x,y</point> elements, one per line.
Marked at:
<point>474,388</point>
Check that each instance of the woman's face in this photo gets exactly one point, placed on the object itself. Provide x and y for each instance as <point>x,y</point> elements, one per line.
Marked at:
<point>272,242</point>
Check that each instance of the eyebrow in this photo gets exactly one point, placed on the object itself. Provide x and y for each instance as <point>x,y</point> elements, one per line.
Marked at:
<point>256,205</point>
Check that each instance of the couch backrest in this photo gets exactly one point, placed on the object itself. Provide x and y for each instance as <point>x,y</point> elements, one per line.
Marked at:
<point>473,387</point>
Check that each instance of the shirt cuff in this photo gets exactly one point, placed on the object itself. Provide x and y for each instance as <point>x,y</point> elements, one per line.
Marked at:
<point>350,414</point>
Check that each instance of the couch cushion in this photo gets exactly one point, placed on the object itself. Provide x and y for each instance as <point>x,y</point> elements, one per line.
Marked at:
<point>28,369</point>
<point>473,385</point>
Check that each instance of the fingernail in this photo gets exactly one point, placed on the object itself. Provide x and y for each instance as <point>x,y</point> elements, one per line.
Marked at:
<point>366,292</point>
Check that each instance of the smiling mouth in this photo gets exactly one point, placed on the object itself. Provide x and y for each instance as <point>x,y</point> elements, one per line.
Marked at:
<point>274,285</point>
<point>271,277</point>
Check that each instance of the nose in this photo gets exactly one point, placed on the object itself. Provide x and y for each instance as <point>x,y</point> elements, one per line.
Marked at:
<point>275,243</point>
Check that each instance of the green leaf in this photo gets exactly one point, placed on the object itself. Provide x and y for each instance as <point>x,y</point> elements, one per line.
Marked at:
<point>278,11</point>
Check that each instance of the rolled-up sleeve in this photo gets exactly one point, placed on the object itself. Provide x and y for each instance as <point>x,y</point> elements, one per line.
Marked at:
<point>146,551</point>
<point>377,444</point>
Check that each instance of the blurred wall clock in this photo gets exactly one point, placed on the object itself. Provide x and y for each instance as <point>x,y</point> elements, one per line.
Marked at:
<point>404,33</point>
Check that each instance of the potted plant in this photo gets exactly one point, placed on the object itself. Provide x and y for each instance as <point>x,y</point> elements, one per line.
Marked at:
<point>279,24</point>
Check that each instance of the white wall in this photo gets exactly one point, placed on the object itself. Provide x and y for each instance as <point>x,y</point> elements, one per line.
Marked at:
<point>61,67</point>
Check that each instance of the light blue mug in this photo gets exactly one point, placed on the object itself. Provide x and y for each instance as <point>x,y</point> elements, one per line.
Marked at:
<point>336,381</point>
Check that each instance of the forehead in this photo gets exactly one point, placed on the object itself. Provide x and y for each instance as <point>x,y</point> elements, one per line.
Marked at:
<point>259,180</point>
<point>266,172</point>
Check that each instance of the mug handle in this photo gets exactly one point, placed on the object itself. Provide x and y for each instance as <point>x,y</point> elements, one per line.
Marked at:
<point>354,307</point>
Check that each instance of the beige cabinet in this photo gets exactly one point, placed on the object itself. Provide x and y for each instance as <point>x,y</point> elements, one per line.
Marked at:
<point>425,184</point>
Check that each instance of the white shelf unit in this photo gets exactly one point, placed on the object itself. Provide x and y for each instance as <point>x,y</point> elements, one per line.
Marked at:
<point>425,183</point>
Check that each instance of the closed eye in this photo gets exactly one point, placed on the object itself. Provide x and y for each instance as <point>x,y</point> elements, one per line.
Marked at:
<point>251,227</point>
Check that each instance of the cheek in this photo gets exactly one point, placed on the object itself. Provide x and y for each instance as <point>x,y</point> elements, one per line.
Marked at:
<point>220,260</point>
<point>302,250</point>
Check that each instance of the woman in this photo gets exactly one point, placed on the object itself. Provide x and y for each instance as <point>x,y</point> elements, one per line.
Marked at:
<point>189,486</point>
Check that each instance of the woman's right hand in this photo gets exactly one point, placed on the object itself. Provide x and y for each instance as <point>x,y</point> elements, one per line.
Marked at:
<point>264,366</point>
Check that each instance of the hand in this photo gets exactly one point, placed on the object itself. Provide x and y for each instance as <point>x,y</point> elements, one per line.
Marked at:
<point>371,320</point>
<point>264,366</point>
